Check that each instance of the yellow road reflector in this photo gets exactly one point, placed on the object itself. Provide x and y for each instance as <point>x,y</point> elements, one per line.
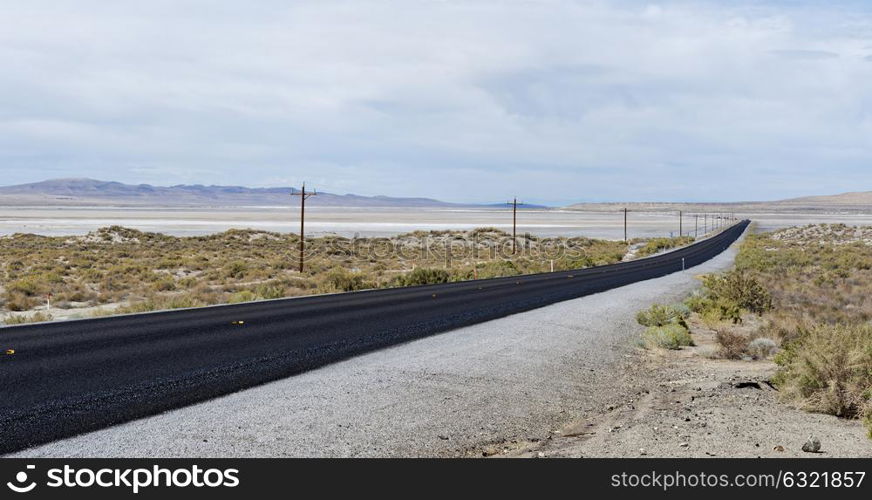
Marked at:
<point>434,295</point>
<point>10,351</point>
<point>238,323</point>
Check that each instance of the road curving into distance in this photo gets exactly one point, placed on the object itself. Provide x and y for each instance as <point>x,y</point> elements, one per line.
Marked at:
<point>71,377</point>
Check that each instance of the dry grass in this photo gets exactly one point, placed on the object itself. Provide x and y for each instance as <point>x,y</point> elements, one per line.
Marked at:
<point>657,245</point>
<point>811,287</point>
<point>150,271</point>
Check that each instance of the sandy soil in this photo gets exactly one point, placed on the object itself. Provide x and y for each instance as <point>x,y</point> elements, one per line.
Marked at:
<point>686,404</point>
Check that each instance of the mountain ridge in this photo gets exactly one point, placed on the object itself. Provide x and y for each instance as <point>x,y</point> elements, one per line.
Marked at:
<point>86,191</point>
<point>858,201</point>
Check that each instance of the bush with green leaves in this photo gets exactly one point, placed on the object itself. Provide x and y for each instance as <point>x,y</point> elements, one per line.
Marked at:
<point>828,369</point>
<point>667,326</point>
<point>740,288</point>
<point>669,336</point>
<point>424,276</point>
<point>343,280</point>
<point>661,315</point>
<point>498,269</point>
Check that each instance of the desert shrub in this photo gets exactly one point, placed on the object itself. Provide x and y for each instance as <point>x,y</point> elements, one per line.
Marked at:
<point>762,347</point>
<point>270,291</point>
<point>731,345</point>
<point>27,286</point>
<point>681,309</point>
<point>498,269</point>
<point>829,370</point>
<point>741,289</point>
<point>725,310</point>
<point>160,303</point>
<point>165,284</point>
<point>656,245</point>
<point>784,327</point>
<point>17,301</point>
<point>698,302</point>
<point>669,336</point>
<point>347,281</point>
<point>423,276</point>
<point>235,269</point>
<point>660,315</point>
<point>19,319</point>
<point>242,296</point>
<point>15,266</point>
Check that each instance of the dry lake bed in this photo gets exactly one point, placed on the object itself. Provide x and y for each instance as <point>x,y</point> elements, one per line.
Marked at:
<point>377,221</point>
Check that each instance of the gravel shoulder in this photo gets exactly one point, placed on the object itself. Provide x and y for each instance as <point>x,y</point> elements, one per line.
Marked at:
<point>514,386</point>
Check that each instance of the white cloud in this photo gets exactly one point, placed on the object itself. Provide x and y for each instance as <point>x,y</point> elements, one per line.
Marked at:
<point>466,100</point>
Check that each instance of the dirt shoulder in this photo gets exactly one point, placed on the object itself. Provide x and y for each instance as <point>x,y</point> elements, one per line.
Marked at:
<point>686,404</point>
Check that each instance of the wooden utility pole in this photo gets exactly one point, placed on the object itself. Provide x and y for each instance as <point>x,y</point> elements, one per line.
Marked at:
<point>625,225</point>
<point>514,203</point>
<point>303,195</point>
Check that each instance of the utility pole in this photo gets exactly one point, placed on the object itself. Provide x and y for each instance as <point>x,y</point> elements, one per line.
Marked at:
<point>514,203</point>
<point>625,225</point>
<point>696,226</point>
<point>680,224</point>
<point>303,195</point>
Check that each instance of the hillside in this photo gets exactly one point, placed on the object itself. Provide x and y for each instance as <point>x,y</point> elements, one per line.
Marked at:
<point>859,202</point>
<point>90,192</point>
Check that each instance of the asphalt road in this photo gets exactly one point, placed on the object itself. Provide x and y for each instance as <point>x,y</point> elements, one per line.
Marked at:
<point>73,377</point>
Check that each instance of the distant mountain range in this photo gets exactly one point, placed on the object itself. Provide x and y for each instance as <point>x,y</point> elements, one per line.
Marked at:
<point>860,202</point>
<point>90,192</point>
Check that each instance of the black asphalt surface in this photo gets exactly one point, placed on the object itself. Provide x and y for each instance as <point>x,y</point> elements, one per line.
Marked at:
<point>67,378</point>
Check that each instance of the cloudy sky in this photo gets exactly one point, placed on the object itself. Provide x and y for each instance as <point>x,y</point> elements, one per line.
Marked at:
<point>464,100</point>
